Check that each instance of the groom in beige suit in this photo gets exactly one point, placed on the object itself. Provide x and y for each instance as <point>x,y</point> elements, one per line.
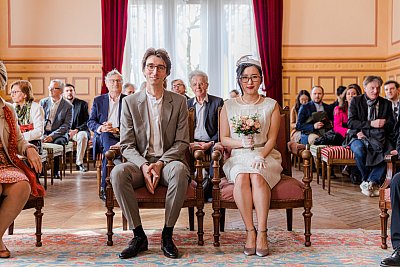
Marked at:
<point>154,138</point>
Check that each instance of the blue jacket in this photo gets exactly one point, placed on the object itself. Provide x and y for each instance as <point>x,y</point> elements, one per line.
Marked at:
<point>306,112</point>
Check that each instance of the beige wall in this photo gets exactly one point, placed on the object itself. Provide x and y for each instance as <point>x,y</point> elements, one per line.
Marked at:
<point>42,40</point>
<point>338,42</point>
<point>326,42</point>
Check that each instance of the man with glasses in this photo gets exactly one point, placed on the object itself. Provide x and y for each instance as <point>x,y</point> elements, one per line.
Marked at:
<point>154,140</point>
<point>79,131</point>
<point>307,121</point>
<point>179,87</point>
<point>205,120</point>
<point>104,121</point>
<point>58,118</point>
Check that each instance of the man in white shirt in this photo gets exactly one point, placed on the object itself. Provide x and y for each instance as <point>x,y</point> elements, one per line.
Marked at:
<point>58,118</point>
<point>154,139</point>
<point>104,121</point>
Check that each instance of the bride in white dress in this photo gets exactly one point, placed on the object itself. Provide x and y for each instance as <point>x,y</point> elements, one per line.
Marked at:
<point>254,172</point>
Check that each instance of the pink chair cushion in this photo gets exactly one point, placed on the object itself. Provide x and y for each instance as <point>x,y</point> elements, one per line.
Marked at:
<point>387,194</point>
<point>288,188</point>
<point>142,194</point>
<point>336,152</point>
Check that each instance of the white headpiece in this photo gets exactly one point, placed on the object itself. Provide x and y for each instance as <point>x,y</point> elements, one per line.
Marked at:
<point>248,59</point>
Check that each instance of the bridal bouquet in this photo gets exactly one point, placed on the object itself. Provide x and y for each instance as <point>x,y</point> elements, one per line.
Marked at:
<point>246,124</point>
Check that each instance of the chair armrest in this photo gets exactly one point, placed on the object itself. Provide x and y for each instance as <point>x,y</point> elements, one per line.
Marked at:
<point>390,170</point>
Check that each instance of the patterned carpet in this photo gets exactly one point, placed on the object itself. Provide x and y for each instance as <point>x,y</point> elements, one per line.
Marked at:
<point>88,248</point>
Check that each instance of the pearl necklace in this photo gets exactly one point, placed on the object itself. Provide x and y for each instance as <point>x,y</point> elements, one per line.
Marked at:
<point>247,103</point>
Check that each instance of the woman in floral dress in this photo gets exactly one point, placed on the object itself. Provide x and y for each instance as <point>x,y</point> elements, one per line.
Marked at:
<point>254,171</point>
<point>17,180</point>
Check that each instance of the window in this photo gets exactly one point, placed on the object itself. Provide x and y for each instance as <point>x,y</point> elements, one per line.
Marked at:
<point>198,34</point>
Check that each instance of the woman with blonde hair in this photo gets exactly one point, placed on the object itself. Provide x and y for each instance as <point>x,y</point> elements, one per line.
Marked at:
<point>17,180</point>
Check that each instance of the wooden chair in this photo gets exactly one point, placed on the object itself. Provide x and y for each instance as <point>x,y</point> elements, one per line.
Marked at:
<point>296,149</point>
<point>384,197</point>
<point>146,200</point>
<point>54,150</point>
<point>289,193</point>
<point>37,203</point>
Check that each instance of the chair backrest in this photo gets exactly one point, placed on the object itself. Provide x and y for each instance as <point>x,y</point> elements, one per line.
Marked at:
<point>281,142</point>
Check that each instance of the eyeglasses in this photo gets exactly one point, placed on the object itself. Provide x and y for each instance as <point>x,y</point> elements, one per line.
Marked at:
<point>115,80</point>
<point>254,78</point>
<point>13,92</point>
<point>177,85</point>
<point>151,67</point>
<point>54,88</point>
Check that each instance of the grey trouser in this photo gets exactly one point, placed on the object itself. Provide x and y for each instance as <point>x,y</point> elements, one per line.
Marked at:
<point>127,176</point>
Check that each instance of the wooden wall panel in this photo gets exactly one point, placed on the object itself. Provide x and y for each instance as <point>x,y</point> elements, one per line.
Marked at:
<point>38,86</point>
<point>82,85</point>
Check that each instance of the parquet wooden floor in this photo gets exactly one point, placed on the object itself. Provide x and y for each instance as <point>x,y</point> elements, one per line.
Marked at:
<point>73,203</point>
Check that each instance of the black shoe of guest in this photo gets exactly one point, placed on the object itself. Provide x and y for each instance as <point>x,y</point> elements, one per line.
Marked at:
<point>393,260</point>
<point>57,175</point>
<point>81,168</point>
<point>168,247</point>
<point>136,245</point>
<point>103,194</point>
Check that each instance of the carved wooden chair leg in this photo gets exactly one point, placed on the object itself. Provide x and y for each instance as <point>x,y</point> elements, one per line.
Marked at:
<point>222,219</point>
<point>38,221</point>
<point>384,223</point>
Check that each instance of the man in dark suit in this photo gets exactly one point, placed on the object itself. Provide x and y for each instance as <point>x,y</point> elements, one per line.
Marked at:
<point>206,116</point>
<point>104,121</point>
<point>58,118</point>
<point>309,128</point>
<point>371,134</point>
<point>79,131</point>
<point>154,139</point>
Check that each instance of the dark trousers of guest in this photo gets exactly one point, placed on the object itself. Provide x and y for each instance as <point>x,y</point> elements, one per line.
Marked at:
<point>394,199</point>
<point>369,174</point>
<point>106,140</point>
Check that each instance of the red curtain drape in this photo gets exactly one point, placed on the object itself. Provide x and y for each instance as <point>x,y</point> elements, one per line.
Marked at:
<point>269,19</point>
<point>114,14</point>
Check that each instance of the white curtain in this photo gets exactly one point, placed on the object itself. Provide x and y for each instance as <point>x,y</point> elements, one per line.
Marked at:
<point>209,35</point>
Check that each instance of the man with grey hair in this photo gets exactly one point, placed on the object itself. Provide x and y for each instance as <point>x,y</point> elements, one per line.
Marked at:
<point>128,88</point>
<point>179,87</point>
<point>58,118</point>
<point>205,119</point>
<point>104,121</point>
<point>370,134</point>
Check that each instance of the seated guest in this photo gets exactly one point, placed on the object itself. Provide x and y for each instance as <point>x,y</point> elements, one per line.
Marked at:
<point>370,134</point>
<point>154,140</point>
<point>206,115</point>
<point>302,98</point>
<point>340,119</point>
<point>394,259</point>
<point>179,87</point>
<point>58,118</point>
<point>79,130</point>
<point>104,121</point>
<point>30,114</point>
<point>309,122</point>
<point>392,94</point>
<point>128,88</point>
<point>339,92</point>
<point>234,93</point>
<point>17,181</point>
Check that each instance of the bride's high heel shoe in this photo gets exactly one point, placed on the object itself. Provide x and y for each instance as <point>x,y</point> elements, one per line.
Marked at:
<point>249,251</point>
<point>262,252</point>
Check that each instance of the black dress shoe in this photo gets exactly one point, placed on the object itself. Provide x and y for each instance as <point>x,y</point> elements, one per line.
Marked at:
<point>57,175</point>
<point>81,168</point>
<point>102,194</point>
<point>168,247</point>
<point>136,245</point>
<point>393,260</point>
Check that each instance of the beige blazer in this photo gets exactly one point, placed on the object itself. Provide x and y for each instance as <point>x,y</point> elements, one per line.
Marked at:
<point>135,128</point>
<point>5,131</point>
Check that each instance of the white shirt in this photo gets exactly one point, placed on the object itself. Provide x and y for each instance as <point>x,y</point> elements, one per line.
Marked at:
<point>200,132</point>
<point>52,114</point>
<point>154,109</point>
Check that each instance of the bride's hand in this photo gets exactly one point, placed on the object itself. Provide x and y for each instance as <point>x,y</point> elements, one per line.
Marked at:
<point>247,141</point>
<point>259,163</point>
